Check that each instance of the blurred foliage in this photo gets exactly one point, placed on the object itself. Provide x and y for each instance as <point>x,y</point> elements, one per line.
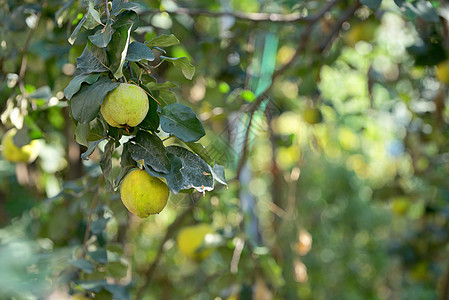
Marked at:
<point>344,193</point>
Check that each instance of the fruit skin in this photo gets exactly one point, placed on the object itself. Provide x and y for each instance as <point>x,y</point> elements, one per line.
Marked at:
<point>125,106</point>
<point>79,297</point>
<point>443,71</point>
<point>12,153</point>
<point>143,194</point>
<point>191,238</point>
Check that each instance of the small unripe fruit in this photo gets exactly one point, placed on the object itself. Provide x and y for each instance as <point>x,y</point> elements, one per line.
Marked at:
<point>191,238</point>
<point>125,106</point>
<point>142,194</point>
<point>12,153</point>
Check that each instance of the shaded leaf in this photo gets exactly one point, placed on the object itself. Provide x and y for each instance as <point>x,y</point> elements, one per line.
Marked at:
<point>90,149</point>
<point>149,147</point>
<point>182,63</point>
<point>42,93</point>
<point>77,29</point>
<point>126,163</point>
<point>82,264</point>
<point>200,150</point>
<point>81,133</point>
<point>103,36</point>
<point>99,255</point>
<point>118,6</point>
<point>373,4</point>
<point>75,83</point>
<point>181,121</point>
<point>93,17</point>
<point>119,292</point>
<point>154,86</point>
<point>138,51</point>
<point>151,121</point>
<point>85,105</point>
<point>93,59</point>
<point>118,47</point>
<point>92,285</point>
<point>166,97</point>
<point>106,163</point>
<point>164,40</point>
<point>22,137</point>
<point>99,225</point>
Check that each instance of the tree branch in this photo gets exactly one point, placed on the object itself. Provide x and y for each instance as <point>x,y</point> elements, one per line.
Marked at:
<point>23,65</point>
<point>304,37</point>
<point>444,290</point>
<point>170,231</point>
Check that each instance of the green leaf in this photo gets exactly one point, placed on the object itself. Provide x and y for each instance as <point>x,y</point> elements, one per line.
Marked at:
<point>150,148</point>
<point>219,174</point>
<point>154,86</point>
<point>126,163</point>
<point>93,17</point>
<point>182,63</point>
<point>22,137</point>
<point>117,49</point>
<point>164,40</point>
<point>119,292</point>
<point>195,172</point>
<point>116,269</point>
<point>75,84</point>
<point>90,149</point>
<point>81,133</point>
<point>181,121</point>
<point>166,97</point>
<point>118,6</point>
<point>373,4</point>
<point>86,103</point>
<point>92,285</point>
<point>77,29</point>
<point>423,9</point>
<point>97,131</point>
<point>202,152</point>
<point>93,59</point>
<point>188,171</point>
<point>99,255</point>
<point>82,264</point>
<point>99,225</point>
<point>103,36</point>
<point>138,51</point>
<point>126,17</point>
<point>106,163</point>
<point>151,121</point>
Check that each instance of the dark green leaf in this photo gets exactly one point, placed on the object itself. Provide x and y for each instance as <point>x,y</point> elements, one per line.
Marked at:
<point>42,93</point>
<point>182,63</point>
<point>93,59</point>
<point>22,137</point>
<point>118,6</point>
<point>195,172</point>
<point>99,225</point>
<point>219,174</point>
<point>90,149</point>
<point>106,163</point>
<point>118,47</point>
<point>138,51</point>
<point>81,133</point>
<point>82,264</point>
<point>163,40</point>
<point>181,121</point>
<point>118,291</point>
<point>151,121</point>
<point>373,4</point>
<point>93,17</point>
<point>86,103</point>
<point>77,29</point>
<point>103,36</point>
<point>99,255</point>
<point>202,152</point>
<point>75,84</point>
<point>126,17</point>
<point>116,269</point>
<point>96,130</point>
<point>423,9</point>
<point>149,147</point>
<point>188,171</point>
<point>126,163</point>
<point>92,285</point>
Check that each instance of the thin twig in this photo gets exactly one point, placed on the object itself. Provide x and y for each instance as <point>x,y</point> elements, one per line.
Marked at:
<point>252,17</point>
<point>168,234</point>
<point>89,220</point>
<point>23,65</point>
<point>106,9</point>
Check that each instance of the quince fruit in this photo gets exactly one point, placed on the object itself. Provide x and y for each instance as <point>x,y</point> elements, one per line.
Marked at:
<point>125,106</point>
<point>13,153</point>
<point>143,194</point>
<point>191,238</point>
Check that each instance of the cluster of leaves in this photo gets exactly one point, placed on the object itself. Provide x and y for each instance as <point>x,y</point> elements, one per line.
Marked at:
<point>108,59</point>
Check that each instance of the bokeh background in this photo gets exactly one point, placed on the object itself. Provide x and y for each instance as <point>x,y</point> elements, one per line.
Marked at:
<point>337,174</point>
